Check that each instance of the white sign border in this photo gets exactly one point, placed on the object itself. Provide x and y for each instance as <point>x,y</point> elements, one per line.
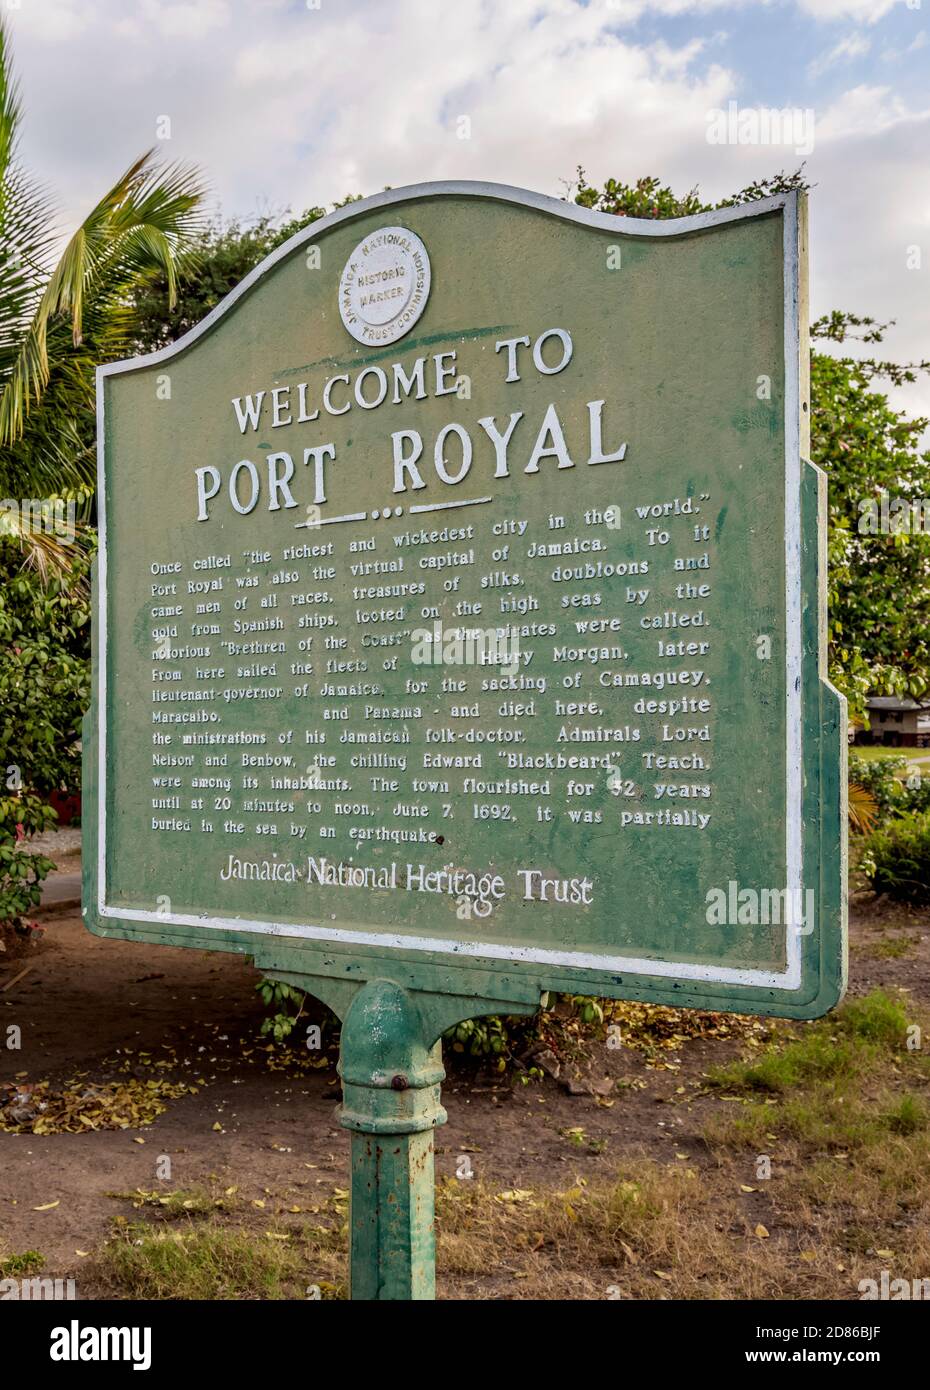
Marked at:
<point>790,978</point>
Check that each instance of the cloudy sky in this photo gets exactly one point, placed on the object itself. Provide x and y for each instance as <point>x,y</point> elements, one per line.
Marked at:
<point>288,103</point>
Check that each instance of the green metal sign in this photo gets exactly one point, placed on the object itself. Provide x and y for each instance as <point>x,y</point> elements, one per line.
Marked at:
<point>459,632</point>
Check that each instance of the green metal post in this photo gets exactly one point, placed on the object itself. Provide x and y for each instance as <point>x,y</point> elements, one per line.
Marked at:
<point>391,1067</point>
<point>391,1073</point>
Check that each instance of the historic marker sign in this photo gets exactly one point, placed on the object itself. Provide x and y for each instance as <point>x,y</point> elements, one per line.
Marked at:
<point>459,613</point>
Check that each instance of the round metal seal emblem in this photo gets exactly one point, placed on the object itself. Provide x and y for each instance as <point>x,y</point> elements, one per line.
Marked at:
<point>385,286</point>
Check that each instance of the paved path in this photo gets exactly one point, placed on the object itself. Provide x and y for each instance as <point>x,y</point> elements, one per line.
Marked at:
<point>60,890</point>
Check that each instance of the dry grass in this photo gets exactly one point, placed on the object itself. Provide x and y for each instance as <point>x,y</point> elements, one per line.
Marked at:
<point>812,1176</point>
<point>201,1244</point>
<point>654,1233</point>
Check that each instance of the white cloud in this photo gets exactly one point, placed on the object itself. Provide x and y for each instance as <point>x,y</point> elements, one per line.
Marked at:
<point>676,60</point>
<point>52,21</point>
<point>871,204</point>
<point>853,46</point>
<point>534,81</point>
<point>285,106</point>
<point>185,19</point>
<point>894,55</point>
<point>861,11</point>
<point>861,111</point>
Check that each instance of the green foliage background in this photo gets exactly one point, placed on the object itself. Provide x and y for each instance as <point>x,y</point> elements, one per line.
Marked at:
<point>879,585</point>
<point>44,690</point>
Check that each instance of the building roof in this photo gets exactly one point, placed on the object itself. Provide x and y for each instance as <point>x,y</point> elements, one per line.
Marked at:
<point>895,703</point>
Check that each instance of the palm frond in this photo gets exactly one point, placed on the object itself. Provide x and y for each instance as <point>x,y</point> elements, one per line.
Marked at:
<point>45,549</point>
<point>10,106</point>
<point>138,228</point>
<point>26,231</point>
<point>862,809</point>
<point>64,311</point>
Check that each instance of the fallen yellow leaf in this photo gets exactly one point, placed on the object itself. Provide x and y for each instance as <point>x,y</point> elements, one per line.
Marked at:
<point>48,1207</point>
<point>761,1232</point>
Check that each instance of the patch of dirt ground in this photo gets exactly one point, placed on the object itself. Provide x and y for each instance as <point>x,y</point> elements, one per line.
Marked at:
<point>102,1011</point>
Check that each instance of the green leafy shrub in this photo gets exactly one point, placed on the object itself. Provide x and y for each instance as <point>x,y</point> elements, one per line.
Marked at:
<point>21,873</point>
<point>285,1004</point>
<point>915,795</point>
<point>881,778</point>
<point>490,1038</point>
<point>44,689</point>
<point>896,787</point>
<point>897,858</point>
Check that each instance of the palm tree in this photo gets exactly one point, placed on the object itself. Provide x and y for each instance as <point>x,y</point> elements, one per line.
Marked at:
<point>61,314</point>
